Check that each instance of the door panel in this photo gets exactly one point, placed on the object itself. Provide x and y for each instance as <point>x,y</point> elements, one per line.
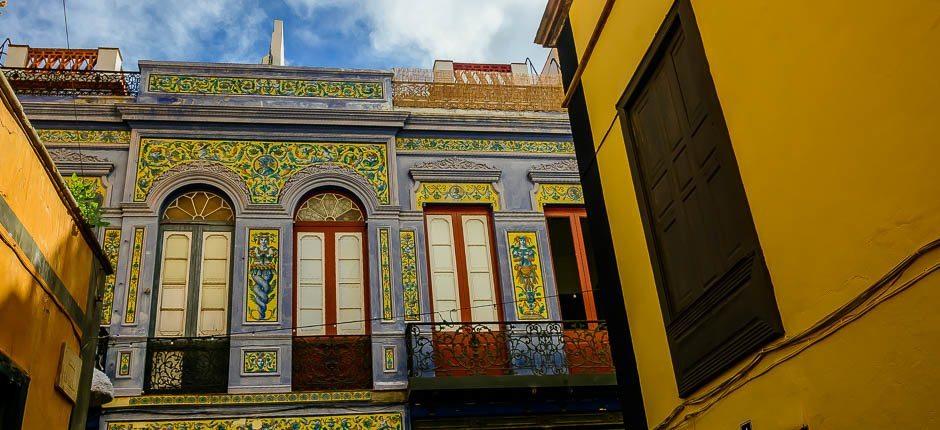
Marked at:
<point>214,283</point>
<point>311,314</point>
<point>443,268</point>
<point>479,268</point>
<point>174,280</point>
<point>349,284</point>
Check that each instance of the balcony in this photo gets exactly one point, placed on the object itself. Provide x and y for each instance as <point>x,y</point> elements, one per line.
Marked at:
<point>176,366</point>
<point>508,354</point>
<point>331,363</point>
<point>72,82</point>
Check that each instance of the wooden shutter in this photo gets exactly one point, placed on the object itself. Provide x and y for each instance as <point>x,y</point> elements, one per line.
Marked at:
<point>443,262</point>
<point>174,280</point>
<point>476,237</point>
<point>311,293</point>
<point>214,283</point>
<point>350,306</point>
<point>715,290</point>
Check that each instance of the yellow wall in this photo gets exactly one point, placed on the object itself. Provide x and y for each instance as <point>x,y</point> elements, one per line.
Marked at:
<point>32,326</point>
<point>833,113</point>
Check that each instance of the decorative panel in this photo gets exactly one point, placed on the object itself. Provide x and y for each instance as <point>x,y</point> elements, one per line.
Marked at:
<point>380,421</point>
<point>527,282</point>
<point>259,361</point>
<point>133,280</point>
<point>385,266</point>
<point>409,276</point>
<point>388,358</point>
<point>264,166</point>
<point>261,301</point>
<point>246,86</point>
<point>113,137</point>
<point>112,248</point>
<point>483,145</point>
<point>566,194</point>
<point>242,399</point>
<point>456,192</point>
<point>124,364</point>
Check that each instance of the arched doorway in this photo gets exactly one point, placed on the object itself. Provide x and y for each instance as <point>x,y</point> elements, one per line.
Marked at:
<point>332,348</point>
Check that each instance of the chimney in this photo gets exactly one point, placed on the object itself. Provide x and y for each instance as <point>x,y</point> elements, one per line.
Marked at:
<point>275,55</point>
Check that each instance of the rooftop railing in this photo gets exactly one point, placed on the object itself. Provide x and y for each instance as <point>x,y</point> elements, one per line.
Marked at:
<point>68,82</point>
<point>476,90</point>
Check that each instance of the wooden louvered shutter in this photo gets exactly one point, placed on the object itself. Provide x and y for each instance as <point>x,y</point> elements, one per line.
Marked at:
<point>715,290</point>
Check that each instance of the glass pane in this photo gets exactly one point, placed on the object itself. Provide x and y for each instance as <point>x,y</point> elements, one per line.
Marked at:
<point>566,269</point>
<point>198,206</point>
<point>329,207</point>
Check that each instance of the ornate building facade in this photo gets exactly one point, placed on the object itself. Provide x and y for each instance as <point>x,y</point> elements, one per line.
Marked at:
<point>302,247</point>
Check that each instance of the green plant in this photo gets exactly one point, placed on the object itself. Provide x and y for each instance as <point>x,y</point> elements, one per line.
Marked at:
<point>85,193</point>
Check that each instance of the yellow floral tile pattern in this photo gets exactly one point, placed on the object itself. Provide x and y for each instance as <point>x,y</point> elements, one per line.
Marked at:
<point>385,266</point>
<point>565,194</point>
<point>262,361</point>
<point>112,248</point>
<point>246,86</point>
<point>241,399</point>
<point>483,145</point>
<point>527,283</point>
<point>133,281</point>
<point>457,192</point>
<point>113,137</point>
<point>380,421</point>
<point>264,166</point>
<point>409,276</point>
<point>261,296</point>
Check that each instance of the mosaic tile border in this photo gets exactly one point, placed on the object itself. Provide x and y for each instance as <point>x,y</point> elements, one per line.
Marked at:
<point>385,269</point>
<point>376,421</point>
<point>242,399</point>
<point>409,275</point>
<point>133,280</point>
<point>528,284</point>
<point>111,244</point>
<point>272,87</point>
<point>262,276</point>
<point>456,192</point>
<point>566,194</point>
<point>110,137</point>
<point>483,145</point>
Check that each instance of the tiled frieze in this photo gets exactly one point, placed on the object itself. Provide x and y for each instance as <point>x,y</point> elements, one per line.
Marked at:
<point>133,280</point>
<point>259,361</point>
<point>112,248</point>
<point>567,194</point>
<point>378,421</point>
<point>385,267</point>
<point>409,276</point>
<point>483,145</point>
<point>456,192</point>
<point>261,296</point>
<point>527,282</point>
<point>242,399</point>
<point>264,166</point>
<point>72,137</point>
<point>249,86</point>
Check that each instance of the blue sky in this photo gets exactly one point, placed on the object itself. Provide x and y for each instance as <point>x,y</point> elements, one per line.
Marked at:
<point>328,33</point>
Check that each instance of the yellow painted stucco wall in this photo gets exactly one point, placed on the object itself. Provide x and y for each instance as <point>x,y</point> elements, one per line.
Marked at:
<point>32,326</point>
<point>834,118</point>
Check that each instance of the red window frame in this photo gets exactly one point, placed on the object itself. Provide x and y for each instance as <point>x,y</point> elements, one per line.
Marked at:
<point>574,214</point>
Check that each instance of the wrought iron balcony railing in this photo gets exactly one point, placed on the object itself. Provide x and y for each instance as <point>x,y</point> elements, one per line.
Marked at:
<point>438,350</point>
<point>59,82</point>
<point>187,365</point>
<point>331,363</point>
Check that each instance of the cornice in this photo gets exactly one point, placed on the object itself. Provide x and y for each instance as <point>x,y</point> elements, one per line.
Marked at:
<point>262,115</point>
<point>255,68</point>
<point>62,111</point>
<point>553,21</point>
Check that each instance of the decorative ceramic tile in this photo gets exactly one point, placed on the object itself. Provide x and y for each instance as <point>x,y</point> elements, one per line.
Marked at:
<point>380,421</point>
<point>94,181</point>
<point>456,192</point>
<point>242,399</point>
<point>388,358</point>
<point>114,137</point>
<point>409,276</point>
<point>385,266</point>
<point>528,287</point>
<point>264,166</point>
<point>566,194</point>
<point>259,362</point>
<point>261,304</point>
<point>133,281</point>
<point>112,248</point>
<point>124,364</point>
<point>482,145</point>
<point>246,86</point>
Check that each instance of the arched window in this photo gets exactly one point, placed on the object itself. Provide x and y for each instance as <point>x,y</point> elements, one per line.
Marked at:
<point>194,269</point>
<point>330,276</point>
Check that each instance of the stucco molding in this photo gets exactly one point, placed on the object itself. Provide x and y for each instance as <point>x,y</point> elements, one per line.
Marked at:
<point>262,115</point>
<point>68,162</point>
<point>199,173</point>
<point>328,174</point>
<point>454,169</point>
<point>562,172</point>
